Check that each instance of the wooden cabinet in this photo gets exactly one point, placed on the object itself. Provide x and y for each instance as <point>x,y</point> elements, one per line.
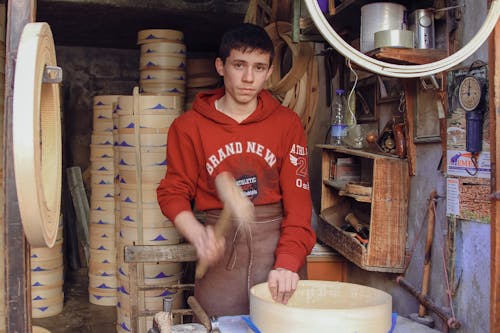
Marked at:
<point>384,209</point>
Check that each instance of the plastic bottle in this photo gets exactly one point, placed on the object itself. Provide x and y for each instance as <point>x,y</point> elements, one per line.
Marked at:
<point>338,121</point>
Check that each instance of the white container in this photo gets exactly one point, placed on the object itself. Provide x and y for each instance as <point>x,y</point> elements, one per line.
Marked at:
<point>377,17</point>
<point>323,306</point>
<point>394,38</point>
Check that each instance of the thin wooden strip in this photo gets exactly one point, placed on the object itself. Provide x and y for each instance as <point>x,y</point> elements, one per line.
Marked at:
<point>37,137</point>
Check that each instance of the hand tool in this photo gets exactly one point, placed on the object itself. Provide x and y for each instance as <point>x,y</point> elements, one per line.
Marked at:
<point>199,312</point>
<point>236,205</point>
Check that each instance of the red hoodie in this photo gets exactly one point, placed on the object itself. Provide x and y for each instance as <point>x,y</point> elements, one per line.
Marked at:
<point>266,154</point>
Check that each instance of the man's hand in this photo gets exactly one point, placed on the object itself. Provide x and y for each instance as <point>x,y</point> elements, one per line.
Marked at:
<point>209,249</point>
<point>282,284</point>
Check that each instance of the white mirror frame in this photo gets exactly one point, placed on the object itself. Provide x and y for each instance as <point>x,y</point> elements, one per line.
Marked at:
<point>402,71</point>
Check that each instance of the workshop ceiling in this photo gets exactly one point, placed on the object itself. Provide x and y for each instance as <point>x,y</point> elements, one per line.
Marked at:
<point>115,23</point>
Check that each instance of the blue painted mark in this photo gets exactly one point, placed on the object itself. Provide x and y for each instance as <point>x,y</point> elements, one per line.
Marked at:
<point>128,199</point>
<point>38,269</point>
<point>162,163</point>
<point>124,326</point>
<point>174,90</point>
<point>162,275</point>
<point>106,274</point>
<point>131,125</point>
<point>99,103</point>
<point>102,169</point>
<point>108,195</point>
<point>43,308</point>
<point>101,248</point>
<point>97,297</point>
<point>125,144</point>
<point>122,162</point>
<point>151,64</point>
<point>105,261</point>
<point>158,107</point>
<point>104,286</point>
<point>159,238</point>
<point>166,293</point>
<point>104,236</point>
<point>120,270</point>
<point>38,298</point>
<point>37,284</point>
<point>182,65</point>
<point>128,219</point>
<point>34,256</point>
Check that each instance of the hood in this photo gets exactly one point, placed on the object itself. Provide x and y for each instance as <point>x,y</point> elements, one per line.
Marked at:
<point>205,105</point>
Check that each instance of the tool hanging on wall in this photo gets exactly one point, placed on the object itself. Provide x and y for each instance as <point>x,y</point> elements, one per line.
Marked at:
<point>425,301</point>
<point>471,99</point>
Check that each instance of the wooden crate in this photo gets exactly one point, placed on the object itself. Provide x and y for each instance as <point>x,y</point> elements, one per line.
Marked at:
<point>386,211</point>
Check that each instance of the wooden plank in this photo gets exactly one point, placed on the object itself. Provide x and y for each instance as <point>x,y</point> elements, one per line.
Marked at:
<point>155,253</point>
<point>81,206</point>
<point>18,310</point>
<point>408,56</point>
<point>411,149</point>
<point>494,111</point>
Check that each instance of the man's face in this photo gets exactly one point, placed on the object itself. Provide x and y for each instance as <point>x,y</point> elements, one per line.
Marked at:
<point>245,74</point>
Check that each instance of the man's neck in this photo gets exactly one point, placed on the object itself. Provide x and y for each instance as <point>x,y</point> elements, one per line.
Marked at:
<point>237,111</point>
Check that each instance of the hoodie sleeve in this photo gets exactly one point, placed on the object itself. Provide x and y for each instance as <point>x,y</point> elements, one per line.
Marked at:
<point>177,188</point>
<point>297,236</point>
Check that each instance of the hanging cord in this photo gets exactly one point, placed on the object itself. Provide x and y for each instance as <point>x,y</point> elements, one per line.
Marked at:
<point>474,157</point>
<point>353,89</point>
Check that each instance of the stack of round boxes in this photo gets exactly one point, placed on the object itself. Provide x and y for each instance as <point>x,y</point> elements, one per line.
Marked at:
<point>201,76</point>
<point>103,281</point>
<point>47,279</point>
<point>162,62</point>
<point>143,122</point>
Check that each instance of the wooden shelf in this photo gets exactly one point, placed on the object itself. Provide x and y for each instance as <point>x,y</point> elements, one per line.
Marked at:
<point>407,56</point>
<point>385,210</point>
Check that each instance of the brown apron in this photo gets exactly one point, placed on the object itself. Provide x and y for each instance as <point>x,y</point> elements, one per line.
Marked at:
<point>248,258</point>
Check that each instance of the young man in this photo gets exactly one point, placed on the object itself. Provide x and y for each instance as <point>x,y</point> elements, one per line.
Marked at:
<point>241,129</point>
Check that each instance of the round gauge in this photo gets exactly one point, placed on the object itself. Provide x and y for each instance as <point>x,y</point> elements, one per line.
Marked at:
<point>469,93</point>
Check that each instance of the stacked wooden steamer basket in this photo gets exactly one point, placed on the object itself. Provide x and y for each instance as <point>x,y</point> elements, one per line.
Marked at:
<point>47,278</point>
<point>142,121</point>
<point>103,281</point>
<point>162,61</point>
<point>201,76</point>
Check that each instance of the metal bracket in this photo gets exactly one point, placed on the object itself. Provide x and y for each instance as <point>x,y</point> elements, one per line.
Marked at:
<point>430,82</point>
<point>52,74</point>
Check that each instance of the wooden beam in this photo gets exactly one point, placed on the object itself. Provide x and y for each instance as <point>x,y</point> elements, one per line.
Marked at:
<point>154,253</point>
<point>17,282</point>
<point>494,111</point>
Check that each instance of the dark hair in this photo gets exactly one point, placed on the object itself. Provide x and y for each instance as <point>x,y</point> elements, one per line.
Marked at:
<point>246,37</point>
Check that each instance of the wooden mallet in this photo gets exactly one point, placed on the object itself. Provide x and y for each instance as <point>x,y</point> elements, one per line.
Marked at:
<point>236,205</point>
